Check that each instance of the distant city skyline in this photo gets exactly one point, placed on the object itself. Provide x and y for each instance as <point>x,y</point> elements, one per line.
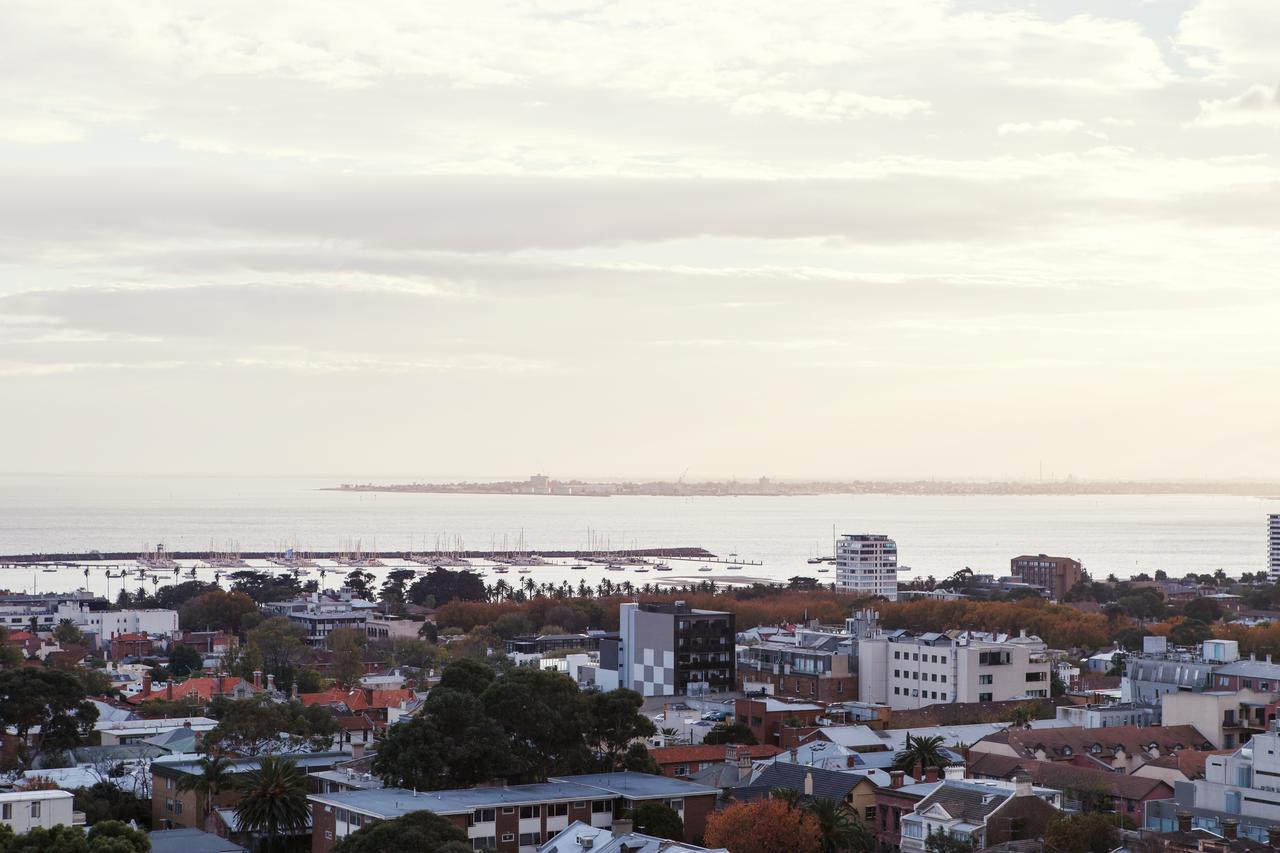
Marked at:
<point>960,239</point>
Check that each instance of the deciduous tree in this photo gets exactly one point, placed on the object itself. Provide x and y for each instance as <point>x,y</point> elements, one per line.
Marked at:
<point>764,826</point>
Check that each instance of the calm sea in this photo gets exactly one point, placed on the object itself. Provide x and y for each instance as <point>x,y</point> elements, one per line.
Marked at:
<point>935,535</point>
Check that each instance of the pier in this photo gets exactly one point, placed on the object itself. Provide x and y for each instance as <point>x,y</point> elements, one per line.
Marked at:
<point>77,560</point>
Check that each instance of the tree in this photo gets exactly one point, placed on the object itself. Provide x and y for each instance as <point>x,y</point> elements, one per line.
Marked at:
<point>309,680</point>
<point>280,645</point>
<point>840,829</point>
<point>273,800</point>
<point>764,826</point>
<point>107,837</point>
<point>451,744</point>
<point>67,634</point>
<point>184,660</point>
<point>49,698</point>
<point>659,820</point>
<point>358,583</point>
<point>216,610</point>
<point>1021,715</point>
<point>215,774</point>
<point>638,759</point>
<point>393,588</point>
<point>722,733</point>
<point>545,716</point>
<point>256,725</point>
<point>441,586</point>
<point>1084,832</point>
<point>616,721</point>
<point>113,836</point>
<point>108,801</point>
<point>1202,609</point>
<point>923,752</point>
<point>1190,632</point>
<point>940,841</point>
<point>467,675</point>
<point>347,645</point>
<point>421,830</point>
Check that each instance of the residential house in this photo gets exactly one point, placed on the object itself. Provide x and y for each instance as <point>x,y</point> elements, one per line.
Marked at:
<point>23,811</point>
<point>766,717</point>
<point>978,814</point>
<point>1122,749</point>
<point>680,761</point>
<point>579,837</point>
<point>1081,786</point>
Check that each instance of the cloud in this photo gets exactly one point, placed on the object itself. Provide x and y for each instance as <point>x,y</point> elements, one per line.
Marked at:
<point>824,105</point>
<point>37,130</point>
<point>1057,125</point>
<point>1259,105</point>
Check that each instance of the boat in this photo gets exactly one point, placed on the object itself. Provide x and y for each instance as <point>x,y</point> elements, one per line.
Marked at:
<point>500,570</point>
<point>615,568</point>
<point>813,561</point>
<point>704,568</point>
<point>662,567</point>
<point>157,559</point>
<point>823,569</point>
<point>733,568</point>
<point>48,570</point>
<point>579,568</point>
<point>641,570</point>
<point>524,571</point>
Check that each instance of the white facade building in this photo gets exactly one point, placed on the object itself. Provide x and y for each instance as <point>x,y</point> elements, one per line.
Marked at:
<point>105,624</point>
<point>23,811</point>
<point>1273,546</point>
<point>905,670</point>
<point>867,564</point>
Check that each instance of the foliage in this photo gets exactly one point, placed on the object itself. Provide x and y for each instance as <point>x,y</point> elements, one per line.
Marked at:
<point>184,660</point>
<point>216,610</point>
<point>49,698</point>
<point>347,645</point>
<point>659,820</point>
<point>215,774</point>
<point>408,651</point>
<point>940,841</point>
<point>421,830</point>
<point>616,721</point>
<point>451,744</point>
<point>467,675</point>
<point>273,799</point>
<point>722,733</point>
<point>309,680</point>
<point>1202,609</point>
<point>393,588</point>
<point>839,827</point>
<point>921,751</point>
<point>1189,632</point>
<point>263,586</point>
<point>1060,626</point>
<point>107,801</point>
<point>281,647</point>
<point>358,582</point>
<point>764,826</point>
<point>107,837</point>
<point>67,634</point>
<point>442,586</point>
<point>638,759</point>
<point>1022,715</point>
<point>545,716</point>
<point>11,654</point>
<point>1083,832</point>
<point>252,726</point>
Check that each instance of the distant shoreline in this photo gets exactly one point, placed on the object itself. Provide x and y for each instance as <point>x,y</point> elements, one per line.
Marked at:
<point>765,488</point>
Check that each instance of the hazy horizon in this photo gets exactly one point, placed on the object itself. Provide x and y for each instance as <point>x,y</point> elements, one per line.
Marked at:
<point>951,239</point>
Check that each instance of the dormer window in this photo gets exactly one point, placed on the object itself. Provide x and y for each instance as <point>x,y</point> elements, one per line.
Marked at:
<point>1066,750</point>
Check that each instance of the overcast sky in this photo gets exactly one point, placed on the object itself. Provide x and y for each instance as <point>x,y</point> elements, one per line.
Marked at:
<point>825,239</point>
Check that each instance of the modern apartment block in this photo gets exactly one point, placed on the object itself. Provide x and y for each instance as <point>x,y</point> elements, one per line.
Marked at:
<point>867,564</point>
<point>1056,574</point>
<point>1273,546</point>
<point>515,818</point>
<point>905,670</point>
<point>808,663</point>
<point>320,616</point>
<point>675,650</point>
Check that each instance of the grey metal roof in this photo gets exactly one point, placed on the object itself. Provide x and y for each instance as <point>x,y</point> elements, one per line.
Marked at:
<point>243,765</point>
<point>639,786</point>
<point>967,802</point>
<point>190,841</point>
<point>394,802</point>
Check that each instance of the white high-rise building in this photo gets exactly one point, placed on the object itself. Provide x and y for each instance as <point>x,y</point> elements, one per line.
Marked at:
<point>867,564</point>
<point>1273,543</point>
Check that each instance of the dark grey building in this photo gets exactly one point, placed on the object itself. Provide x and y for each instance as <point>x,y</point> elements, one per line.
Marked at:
<point>675,650</point>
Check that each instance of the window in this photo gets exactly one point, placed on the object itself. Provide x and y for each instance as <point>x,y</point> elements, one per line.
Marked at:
<point>895,673</point>
<point>527,812</point>
<point>895,691</point>
<point>895,655</point>
<point>601,806</point>
<point>944,679</point>
<point>529,839</point>
<point>985,679</point>
<point>912,830</point>
<point>35,809</point>
<point>6,811</point>
<point>508,810</point>
<point>984,697</point>
<point>177,806</point>
<point>485,816</point>
<point>676,805</point>
<point>488,843</point>
<point>508,836</point>
<point>943,697</point>
<point>944,658</point>
<point>1037,676</point>
<point>168,804</point>
<point>580,804</point>
<point>557,809</point>
<point>681,770</point>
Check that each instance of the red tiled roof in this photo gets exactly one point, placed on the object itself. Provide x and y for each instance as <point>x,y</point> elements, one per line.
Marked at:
<point>1060,775</point>
<point>357,699</point>
<point>1063,743</point>
<point>355,723</point>
<point>694,754</point>
<point>204,688</point>
<point>130,638</point>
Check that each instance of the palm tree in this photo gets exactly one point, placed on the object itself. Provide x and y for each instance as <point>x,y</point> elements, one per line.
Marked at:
<point>274,801</point>
<point>790,796</point>
<point>215,774</point>
<point>1021,716</point>
<point>921,751</point>
<point>841,830</point>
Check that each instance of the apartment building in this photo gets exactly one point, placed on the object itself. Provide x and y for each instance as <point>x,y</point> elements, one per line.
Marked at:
<point>1160,670</point>
<point>905,670</point>
<point>515,818</point>
<point>1273,546</point>
<point>1104,715</point>
<point>807,663</point>
<point>674,650</point>
<point>320,616</point>
<point>867,564</point>
<point>1055,574</point>
<point>1228,718</point>
<point>104,625</point>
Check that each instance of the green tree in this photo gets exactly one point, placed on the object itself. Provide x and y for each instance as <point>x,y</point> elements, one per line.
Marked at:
<point>215,775</point>
<point>545,715</point>
<point>841,830</point>
<point>923,752</point>
<point>255,725</point>
<point>184,660</point>
<point>940,841</point>
<point>421,830</point>
<point>722,733</point>
<point>659,820</point>
<point>309,681</point>
<point>1190,632</point>
<point>11,654</point>
<point>1021,715</point>
<point>113,836</point>
<point>347,645</point>
<point>467,675</point>
<point>358,582</point>
<point>280,645</point>
<point>440,586</point>
<point>638,759</point>
<point>273,801</point>
<point>1202,609</point>
<point>616,721</point>
<point>216,610</point>
<point>67,634</point>
<point>1083,832</point>
<point>452,743</point>
<point>107,801</point>
<point>52,699</point>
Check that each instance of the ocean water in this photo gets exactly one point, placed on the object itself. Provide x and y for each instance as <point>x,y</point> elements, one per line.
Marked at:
<point>936,535</point>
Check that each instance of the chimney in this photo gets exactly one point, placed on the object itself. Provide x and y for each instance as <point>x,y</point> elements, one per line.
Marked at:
<point>954,772</point>
<point>795,755</point>
<point>1022,784</point>
<point>271,681</point>
<point>1184,821</point>
<point>168,690</point>
<point>257,678</point>
<point>357,750</point>
<point>146,684</point>
<point>621,826</point>
<point>895,778</point>
<point>808,784</point>
<point>931,774</point>
<point>1229,828</point>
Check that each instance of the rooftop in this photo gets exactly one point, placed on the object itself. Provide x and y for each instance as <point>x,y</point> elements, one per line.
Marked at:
<point>190,841</point>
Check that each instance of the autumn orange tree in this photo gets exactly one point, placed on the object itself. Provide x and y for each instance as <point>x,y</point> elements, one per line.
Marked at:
<point>765,826</point>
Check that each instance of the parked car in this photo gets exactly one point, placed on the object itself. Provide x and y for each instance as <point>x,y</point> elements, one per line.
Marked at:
<point>715,716</point>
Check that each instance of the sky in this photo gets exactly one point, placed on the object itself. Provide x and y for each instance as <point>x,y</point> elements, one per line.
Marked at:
<point>856,238</point>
